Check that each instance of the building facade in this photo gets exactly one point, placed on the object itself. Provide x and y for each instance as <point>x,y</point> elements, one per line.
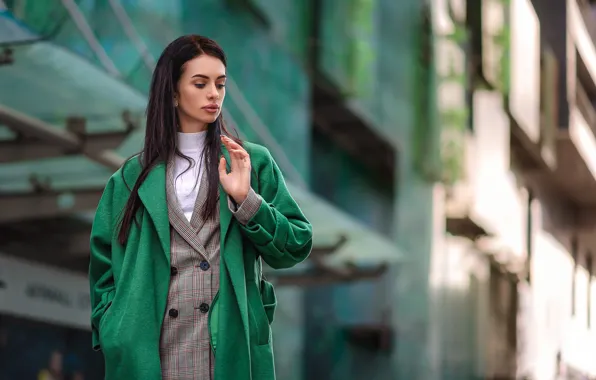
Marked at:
<point>512,274</point>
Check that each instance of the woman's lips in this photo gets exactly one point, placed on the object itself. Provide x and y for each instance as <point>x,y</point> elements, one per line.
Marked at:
<point>212,108</point>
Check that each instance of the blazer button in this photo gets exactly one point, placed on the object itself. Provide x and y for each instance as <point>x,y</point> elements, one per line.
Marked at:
<point>173,271</point>
<point>204,265</point>
<point>173,313</point>
<point>204,308</point>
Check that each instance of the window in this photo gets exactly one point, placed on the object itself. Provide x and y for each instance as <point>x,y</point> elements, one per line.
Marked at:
<point>574,256</point>
<point>589,265</point>
<point>529,236</point>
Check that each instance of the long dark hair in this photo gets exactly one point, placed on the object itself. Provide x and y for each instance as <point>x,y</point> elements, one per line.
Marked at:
<point>162,125</point>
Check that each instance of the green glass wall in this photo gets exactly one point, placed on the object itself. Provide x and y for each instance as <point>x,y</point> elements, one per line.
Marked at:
<point>272,81</point>
<point>348,184</point>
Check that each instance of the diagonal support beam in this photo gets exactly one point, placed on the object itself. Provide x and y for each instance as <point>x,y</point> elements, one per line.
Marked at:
<point>32,127</point>
<point>132,34</point>
<point>17,150</point>
<point>264,134</point>
<point>23,206</point>
<point>64,246</point>
<point>81,22</point>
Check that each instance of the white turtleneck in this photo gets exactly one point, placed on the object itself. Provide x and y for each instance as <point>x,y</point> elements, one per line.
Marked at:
<point>187,184</point>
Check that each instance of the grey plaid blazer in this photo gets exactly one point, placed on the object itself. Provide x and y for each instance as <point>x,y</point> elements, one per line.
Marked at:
<point>185,348</point>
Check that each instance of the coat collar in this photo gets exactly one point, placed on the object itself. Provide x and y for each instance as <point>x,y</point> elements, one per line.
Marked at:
<point>153,195</point>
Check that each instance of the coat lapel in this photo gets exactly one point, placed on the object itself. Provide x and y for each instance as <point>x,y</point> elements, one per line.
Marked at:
<point>153,195</point>
<point>225,215</point>
<point>231,251</point>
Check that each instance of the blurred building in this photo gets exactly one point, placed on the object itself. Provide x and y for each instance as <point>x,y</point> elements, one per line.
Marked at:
<point>511,283</point>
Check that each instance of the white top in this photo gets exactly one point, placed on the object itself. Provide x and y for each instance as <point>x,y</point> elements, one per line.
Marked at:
<point>187,184</point>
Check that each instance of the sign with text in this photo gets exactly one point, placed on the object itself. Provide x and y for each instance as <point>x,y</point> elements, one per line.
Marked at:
<point>44,293</point>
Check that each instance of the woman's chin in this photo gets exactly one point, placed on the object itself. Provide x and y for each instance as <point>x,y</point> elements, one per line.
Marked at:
<point>208,119</point>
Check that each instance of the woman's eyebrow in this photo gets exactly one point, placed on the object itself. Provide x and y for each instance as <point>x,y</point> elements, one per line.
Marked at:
<point>206,77</point>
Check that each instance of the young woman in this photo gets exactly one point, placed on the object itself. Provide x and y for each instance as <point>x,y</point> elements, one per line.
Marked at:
<point>177,241</point>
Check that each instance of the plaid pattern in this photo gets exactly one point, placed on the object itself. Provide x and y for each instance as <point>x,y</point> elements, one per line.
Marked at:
<point>247,209</point>
<point>185,347</point>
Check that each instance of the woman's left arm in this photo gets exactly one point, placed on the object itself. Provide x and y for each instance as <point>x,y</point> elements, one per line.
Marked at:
<point>272,220</point>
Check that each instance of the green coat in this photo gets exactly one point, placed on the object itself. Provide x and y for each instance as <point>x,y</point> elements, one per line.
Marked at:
<point>129,284</point>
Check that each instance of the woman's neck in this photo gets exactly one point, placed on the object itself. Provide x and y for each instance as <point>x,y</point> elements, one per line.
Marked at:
<point>191,142</point>
<point>191,126</point>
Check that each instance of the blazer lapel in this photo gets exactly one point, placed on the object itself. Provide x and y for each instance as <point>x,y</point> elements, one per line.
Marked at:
<point>153,195</point>
<point>176,215</point>
<point>197,221</point>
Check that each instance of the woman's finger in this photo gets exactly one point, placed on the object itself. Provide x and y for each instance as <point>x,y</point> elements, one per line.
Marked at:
<point>222,167</point>
<point>231,144</point>
<point>240,153</point>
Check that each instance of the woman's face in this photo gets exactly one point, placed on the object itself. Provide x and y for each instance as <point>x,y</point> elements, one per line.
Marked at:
<point>201,89</point>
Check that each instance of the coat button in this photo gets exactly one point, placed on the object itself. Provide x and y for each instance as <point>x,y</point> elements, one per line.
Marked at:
<point>204,265</point>
<point>173,313</point>
<point>173,271</point>
<point>204,308</point>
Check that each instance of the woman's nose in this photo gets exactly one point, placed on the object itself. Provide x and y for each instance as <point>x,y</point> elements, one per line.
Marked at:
<point>213,94</point>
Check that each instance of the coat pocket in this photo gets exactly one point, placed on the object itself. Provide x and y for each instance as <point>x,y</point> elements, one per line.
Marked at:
<point>260,330</point>
<point>268,299</point>
<point>104,325</point>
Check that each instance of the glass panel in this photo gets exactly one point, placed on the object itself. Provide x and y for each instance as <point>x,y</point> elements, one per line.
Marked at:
<point>44,17</point>
<point>53,84</point>
<point>13,31</point>
<point>270,76</point>
<point>330,223</point>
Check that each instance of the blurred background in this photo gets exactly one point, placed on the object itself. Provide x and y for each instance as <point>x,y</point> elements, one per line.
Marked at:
<point>444,151</point>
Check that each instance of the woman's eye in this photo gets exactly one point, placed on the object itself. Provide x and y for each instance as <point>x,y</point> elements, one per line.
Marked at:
<point>200,85</point>
<point>220,86</point>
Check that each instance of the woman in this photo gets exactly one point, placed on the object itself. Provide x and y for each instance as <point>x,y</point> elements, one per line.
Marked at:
<point>179,234</point>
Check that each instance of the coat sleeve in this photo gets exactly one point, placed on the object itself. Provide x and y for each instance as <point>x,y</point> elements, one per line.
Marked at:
<point>100,266</point>
<point>278,229</point>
